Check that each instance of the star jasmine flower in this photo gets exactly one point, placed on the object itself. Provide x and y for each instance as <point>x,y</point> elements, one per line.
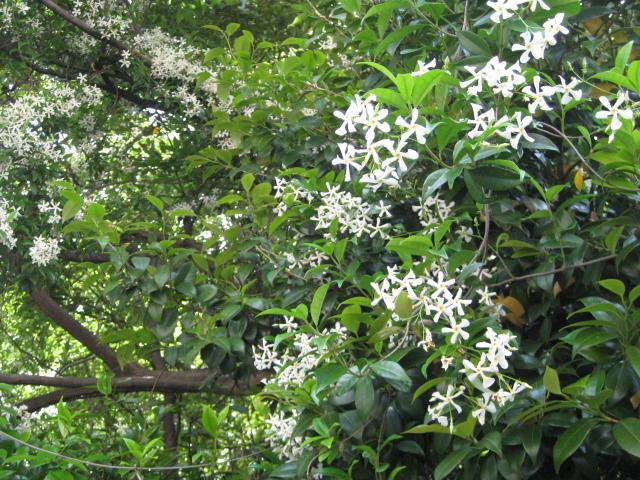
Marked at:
<point>568,90</point>
<point>457,330</point>
<point>346,158</point>
<point>289,325</point>
<point>499,347</point>
<point>476,76</point>
<point>448,398</point>
<point>477,374</point>
<point>371,150</point>
<point>614,111</point>
<point>379,177</point>
<point>377,229</point>
<point>480,122</point>
<point>536,96</point>
<point>515,132</point>
<point>503,9</point>
<point>441,307</point>
<point>484,406</point>
<point>457,303</point>
<point>552,27</point>
<point>440,284</point>
<point>485,296</point>
<point>372,118</point>
<point>398,156</point>
<point>412,128</point>
<point>348,118</point>
<point>382,291</point>
<point>533,44</point>
<point>423,68</point>
<point>383,209</point>
<point>446,362</point>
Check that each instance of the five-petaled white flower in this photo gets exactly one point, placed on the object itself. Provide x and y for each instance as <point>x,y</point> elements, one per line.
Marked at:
<point>412,128</point>
<point>373,118</point>
<point>532,45</point>
<point>536,96</point>
<point>503,9</point>
<point>614,111</point>
<point>447,398</point>
<point>398,155</point>
<point>568,90</point>
<point>477,373</point>
<point>457,330</point>
<point>515,132</point>
<point>346,158</point>
<point>423,68</point>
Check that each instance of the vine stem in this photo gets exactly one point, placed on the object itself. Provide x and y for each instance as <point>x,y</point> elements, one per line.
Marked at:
<point>555,270</point>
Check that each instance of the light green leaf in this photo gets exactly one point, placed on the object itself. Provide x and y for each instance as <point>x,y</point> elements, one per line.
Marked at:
<point>210,420</point>
<point>613,285</point>
<point>247,181</point>
<point>551,381</point>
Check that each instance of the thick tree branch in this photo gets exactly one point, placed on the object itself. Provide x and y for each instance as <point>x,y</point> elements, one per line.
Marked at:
<point>75,256</point>
<point>88,29</point>
<point>74,328</point>
<point>160,382</point>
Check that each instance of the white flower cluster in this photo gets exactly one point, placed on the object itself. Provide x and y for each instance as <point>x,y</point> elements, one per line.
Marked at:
<point>173,59</point>
<point>23,416</point>
<point>279,434</point>
<point>433,301</point>
<point>433,211</point>
<point>614,113</point>
<point>20,119</point>
<point>504,9</point>
<point>7,216</point>
<point>386,158</point>
<point>535,43</point>
<point>52,209</point>
<point>293,365</point>
<point>289,193</point>
<point>309,259</point>
<point>44,250</point>
<point>346,212</point>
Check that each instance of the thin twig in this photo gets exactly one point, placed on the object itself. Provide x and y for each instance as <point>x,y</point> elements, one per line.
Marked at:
<point>582,159</point>
<point>121,467</point>
<point>482,250</point>
<point>555,270</point>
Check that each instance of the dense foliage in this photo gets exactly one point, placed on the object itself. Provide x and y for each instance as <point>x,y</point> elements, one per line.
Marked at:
<point>320,239</point>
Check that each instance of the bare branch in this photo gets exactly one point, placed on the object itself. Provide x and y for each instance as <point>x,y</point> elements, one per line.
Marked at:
<point>88,29</point>
<point>74,328</point>
<point>192,381</point>
<point>555,270</point>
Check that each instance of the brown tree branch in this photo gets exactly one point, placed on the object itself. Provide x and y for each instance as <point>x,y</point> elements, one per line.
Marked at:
<point>74,328</point>
<point>88,29</point>
<point>159,382</point>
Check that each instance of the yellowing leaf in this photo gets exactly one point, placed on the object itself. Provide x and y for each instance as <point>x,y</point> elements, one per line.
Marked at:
<point>516,310</point>
<point>556,289</point>
<point>578,179</point>
<point>595,26</point>
<point>600,89</point>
